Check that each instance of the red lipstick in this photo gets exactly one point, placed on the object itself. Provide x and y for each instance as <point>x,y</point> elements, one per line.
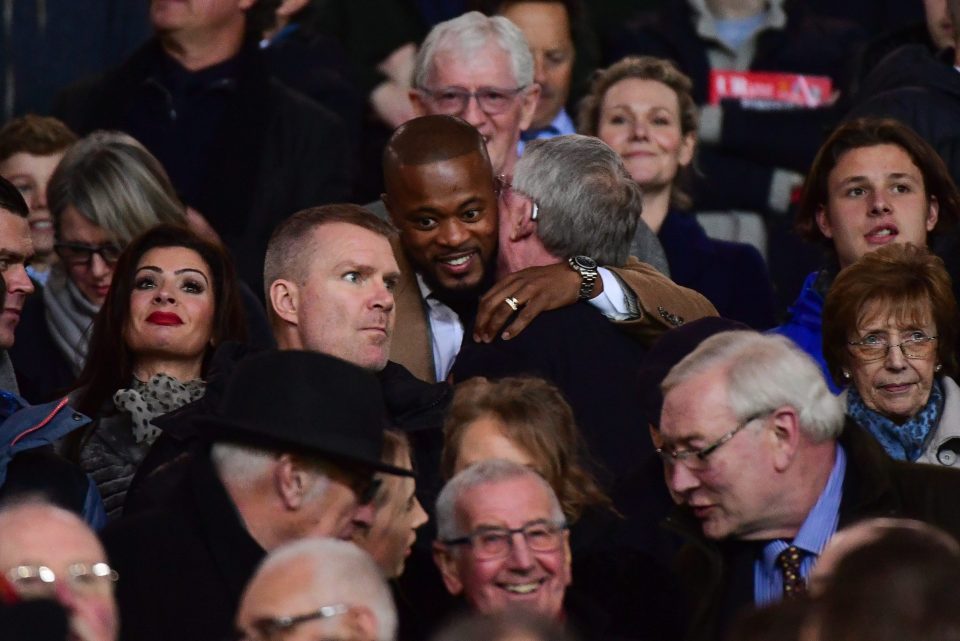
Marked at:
<point>164,318</point>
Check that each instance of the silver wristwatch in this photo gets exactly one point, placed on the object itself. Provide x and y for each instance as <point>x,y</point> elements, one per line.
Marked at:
<point>587,268</point>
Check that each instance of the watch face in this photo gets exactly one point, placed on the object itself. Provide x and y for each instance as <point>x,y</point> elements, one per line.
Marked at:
<point>585,262</point>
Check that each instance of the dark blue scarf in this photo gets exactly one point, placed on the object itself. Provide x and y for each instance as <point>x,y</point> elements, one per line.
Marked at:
<point>905,441</point>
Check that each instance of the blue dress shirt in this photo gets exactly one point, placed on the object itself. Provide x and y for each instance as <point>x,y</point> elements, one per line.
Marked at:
<point>819,526</point>
<point>559,126</point>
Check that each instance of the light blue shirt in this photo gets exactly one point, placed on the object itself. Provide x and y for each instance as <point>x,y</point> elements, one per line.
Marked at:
<point>819,526</point>
<point>559,126</point>
<point>733,32</point>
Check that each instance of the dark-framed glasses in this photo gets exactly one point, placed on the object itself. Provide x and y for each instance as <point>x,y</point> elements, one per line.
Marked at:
<point>38,581</point>
<point>275,628</point>
<point>496,542</point>
<point>81,254</point>
<point>874,348</point>
<point>454,100</point>
<point>698,460</point>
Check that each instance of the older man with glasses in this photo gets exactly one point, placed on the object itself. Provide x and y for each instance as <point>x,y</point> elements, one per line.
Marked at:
<point>49,553</point>
<point>764,468</point>
<point>481,69</point>
<point>317,589</point>
<point>503,544</point>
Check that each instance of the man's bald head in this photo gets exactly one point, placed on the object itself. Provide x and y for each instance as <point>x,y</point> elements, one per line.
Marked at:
<point>431,139</point>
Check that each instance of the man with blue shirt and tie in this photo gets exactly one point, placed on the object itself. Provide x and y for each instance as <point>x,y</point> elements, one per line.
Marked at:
<point>546,24</point>
<point>764,469</point>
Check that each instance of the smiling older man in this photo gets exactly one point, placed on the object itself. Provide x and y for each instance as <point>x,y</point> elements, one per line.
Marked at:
<point>504,544</point>
<point>480,514</point>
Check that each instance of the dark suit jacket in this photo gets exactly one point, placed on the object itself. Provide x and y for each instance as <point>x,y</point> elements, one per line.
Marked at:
<point>183,567</point>
<point>874,485</point>
<point>593,363</point>
<point>273,152</point>
<point>733,276</point>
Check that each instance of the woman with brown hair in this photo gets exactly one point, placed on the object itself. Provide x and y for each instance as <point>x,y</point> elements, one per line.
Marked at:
<point>526,421</point>
<point>173,300</point>
<point>890,325</point>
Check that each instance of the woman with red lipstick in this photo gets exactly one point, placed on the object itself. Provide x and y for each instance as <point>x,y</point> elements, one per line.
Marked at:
<point>174,298</point>
<point>643,108</point>
<point>890,332</point>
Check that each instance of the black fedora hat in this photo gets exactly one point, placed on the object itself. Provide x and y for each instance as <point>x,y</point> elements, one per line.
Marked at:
<point>304,401</point>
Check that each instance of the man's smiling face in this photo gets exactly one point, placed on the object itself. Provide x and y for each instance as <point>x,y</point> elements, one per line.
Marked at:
<point>447,215</point>
<point>524,578</point>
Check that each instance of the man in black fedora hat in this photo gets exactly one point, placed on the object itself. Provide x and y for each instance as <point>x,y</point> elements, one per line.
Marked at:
<point>293,452</point>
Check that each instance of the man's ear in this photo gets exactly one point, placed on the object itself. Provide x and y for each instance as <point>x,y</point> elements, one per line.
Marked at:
<point>655,437</point>
<point>362,622</point>
<point>285,300</point>
<point>291,481</point>
<point>522,223</point>
<point>823,221</point>
<point>785,435</point>
<point>447,565</point>
<point>569,556</point>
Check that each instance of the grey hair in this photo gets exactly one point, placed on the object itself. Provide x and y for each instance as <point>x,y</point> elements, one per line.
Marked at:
<point>589,204</point>
<point>115,183</point>
<point>485,472</point>
<point>763,372</point>
<point>467,35</point>
<point>239,464</point>
<point>341,573</point>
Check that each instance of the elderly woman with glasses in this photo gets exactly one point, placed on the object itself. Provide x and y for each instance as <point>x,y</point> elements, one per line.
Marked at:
<point>890,332</point>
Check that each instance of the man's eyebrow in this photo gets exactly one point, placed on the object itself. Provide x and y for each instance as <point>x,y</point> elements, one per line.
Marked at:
<point>11,255</point>
<point>472,201</point>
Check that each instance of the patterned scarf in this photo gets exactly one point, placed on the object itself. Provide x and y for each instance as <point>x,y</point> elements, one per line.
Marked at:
<point>904,441</point>
<point>146,401</point>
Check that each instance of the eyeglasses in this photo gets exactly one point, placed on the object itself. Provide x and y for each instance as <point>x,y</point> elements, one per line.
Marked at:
<point>274,628</point>
<point>496,542</point>
<point>697,460</point>
<point>874,348</point>
<point>454,100</point>
<point>81,255</point>
<point>38,581</point>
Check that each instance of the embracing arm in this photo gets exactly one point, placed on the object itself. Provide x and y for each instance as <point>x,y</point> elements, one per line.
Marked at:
<point>657,302</point>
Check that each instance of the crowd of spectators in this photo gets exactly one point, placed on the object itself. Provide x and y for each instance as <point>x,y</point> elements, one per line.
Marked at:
<point>430,320</point>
